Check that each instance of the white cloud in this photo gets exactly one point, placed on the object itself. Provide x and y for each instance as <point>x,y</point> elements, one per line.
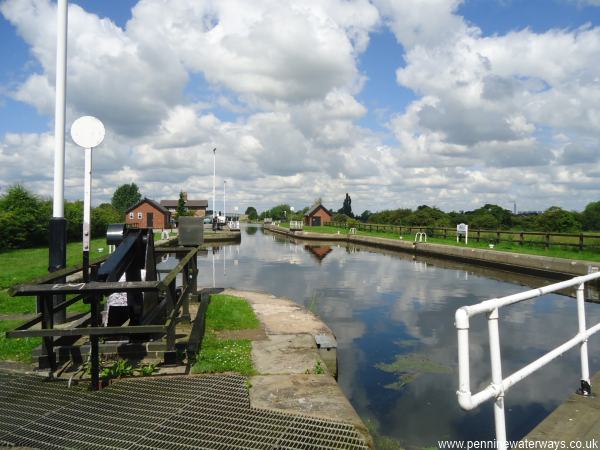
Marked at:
<point>497,117</point>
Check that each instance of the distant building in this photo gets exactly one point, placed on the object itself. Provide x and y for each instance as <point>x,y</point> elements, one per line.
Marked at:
<point>148,214</point>
<point>198,207</point>
<point>318,215</point>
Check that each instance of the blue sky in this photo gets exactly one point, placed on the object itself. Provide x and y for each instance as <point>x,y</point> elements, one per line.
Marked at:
<point>399,84</point>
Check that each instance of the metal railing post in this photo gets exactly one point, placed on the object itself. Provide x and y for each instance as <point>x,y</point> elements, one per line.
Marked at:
<point>496,362</point>
<point>585,388</point>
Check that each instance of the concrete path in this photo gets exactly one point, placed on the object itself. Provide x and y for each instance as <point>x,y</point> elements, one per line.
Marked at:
<point>295,375</point>
<point>578,419</point>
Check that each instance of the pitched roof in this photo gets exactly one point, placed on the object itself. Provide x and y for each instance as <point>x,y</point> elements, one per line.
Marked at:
<point>150,201</point>
<point>188,204</point>
<point>314,209</point>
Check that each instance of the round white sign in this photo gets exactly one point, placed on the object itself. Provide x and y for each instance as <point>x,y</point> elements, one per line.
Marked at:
<point>87,132</point>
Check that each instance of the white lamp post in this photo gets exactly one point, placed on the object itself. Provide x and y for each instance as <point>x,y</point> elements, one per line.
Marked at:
<point>214,205</point>
<point>224,213</point>
<point>87,132</point>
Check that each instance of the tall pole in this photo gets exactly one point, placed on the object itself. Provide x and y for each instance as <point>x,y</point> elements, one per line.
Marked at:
<point>58,209</point>
<point>224,213</point>
<point>214,205</point>
<point>57,252</point>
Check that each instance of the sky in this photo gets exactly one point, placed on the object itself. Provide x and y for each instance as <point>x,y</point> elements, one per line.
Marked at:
<point>447,103</point>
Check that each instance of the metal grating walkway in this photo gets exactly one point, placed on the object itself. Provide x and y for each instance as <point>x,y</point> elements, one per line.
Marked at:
<point>208,412</point>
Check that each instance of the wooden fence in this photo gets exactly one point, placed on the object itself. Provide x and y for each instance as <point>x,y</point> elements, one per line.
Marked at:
<point>572,240</point>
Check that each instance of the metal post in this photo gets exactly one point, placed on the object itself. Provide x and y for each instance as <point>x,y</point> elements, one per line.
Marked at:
<point>60,109</point>
<point>496,363</point>
<point>57,254</point>
<point>586,388</point>
<point>214,205</point>
<point>224,211</point>
<point>87,202</point>
<point>94,345</point>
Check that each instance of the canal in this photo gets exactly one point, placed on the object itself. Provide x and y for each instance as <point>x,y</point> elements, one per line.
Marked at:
<point>393,317</point>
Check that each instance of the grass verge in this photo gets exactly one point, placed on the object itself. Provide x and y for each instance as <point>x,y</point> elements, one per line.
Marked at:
<point>20,266</point>
<point>217,355</point>
<point>15,349</point>
<point>530,249</point>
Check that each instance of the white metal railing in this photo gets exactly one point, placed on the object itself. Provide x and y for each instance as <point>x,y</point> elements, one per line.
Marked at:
<point>296,225</point>
<point>420,236</point>
<point>499,385</point>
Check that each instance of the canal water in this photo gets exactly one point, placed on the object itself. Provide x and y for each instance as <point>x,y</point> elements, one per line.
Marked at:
<point>393,316</point>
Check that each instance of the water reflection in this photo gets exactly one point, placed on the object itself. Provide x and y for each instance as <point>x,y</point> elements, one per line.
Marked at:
<point>382,305</point>
<point>319,251</point>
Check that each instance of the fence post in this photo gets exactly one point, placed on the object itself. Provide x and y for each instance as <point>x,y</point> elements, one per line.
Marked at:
<point>581,241</point>
<point>547,243</point>
<point>521,238</point>
<point>445,233</point>
<point>478,234</point>
<point>497,237</point>
<point>586,388</point>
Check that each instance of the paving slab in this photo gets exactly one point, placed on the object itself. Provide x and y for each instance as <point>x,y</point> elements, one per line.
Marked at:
<point>285,354</point>
<point>313,395</point>
<point>282,315</point>
<point>578,419</point>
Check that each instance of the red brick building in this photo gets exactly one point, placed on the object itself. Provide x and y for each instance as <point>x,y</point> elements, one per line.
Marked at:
<point>148,214</point>
<point>318,215</point>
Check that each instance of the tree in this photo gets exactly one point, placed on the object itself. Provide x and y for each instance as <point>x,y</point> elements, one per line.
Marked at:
<point>364,217</point>
<point>428,216</point>
<point>503,216</point>
<point>251,212</point>
<point>102,216</point>
<point>24,219</point>
<point>346,208</point>
<point>125,196</point>
<point>485,221</point>
<point>339,218</point>
<point>590,217</point>
<point>557,220</point>
<point>181,208</point>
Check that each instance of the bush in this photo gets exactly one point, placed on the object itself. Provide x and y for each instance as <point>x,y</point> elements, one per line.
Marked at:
<point>24,219</point>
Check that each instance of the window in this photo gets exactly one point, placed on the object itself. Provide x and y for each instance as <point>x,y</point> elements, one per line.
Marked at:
<point>140,215</point>
<point>131,215</point>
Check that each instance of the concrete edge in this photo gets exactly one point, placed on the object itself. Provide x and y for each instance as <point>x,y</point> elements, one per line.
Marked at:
<point>289,387</point>
<point>558,268</point>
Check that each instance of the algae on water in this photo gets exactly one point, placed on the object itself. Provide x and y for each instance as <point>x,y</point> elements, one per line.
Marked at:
<point>410,367</point>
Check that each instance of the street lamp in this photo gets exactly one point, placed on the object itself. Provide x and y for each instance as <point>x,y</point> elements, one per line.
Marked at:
<point>224,213</point>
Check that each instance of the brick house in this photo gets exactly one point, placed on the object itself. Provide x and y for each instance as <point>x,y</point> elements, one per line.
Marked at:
<point>318,215</point>
<point>197,206</point>
<point>148,214</point>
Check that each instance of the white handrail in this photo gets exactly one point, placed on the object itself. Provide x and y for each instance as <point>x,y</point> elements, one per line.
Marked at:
<point>500,385</point>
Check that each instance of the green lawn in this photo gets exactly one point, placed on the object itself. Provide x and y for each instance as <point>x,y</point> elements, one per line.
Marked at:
<point>554,250</point>
<point>20,266</point>
<point>15,349</point>
<point>227,355</point>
